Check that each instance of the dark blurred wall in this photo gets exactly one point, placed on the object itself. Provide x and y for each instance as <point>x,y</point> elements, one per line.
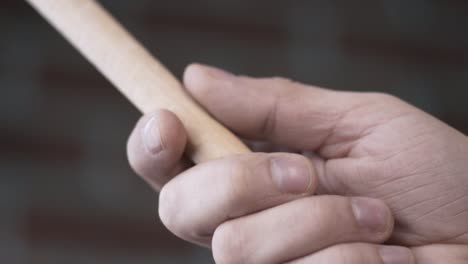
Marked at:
<point>67,194</point>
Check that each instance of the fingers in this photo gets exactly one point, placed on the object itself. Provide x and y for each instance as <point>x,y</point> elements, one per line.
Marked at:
<point>156,146</point>
<point>435,254</point>
<point>360,253</point>
<point>295,229</point>
<point>194,203</point>
<point>287,113</point>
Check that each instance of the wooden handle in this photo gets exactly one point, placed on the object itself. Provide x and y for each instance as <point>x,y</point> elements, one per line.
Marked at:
<point>138,75</point>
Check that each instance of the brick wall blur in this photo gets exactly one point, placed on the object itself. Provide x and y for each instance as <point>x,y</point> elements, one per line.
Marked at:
<point>67,194</point>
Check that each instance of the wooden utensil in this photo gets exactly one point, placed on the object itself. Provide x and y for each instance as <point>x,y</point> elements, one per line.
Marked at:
<point>137,74</point>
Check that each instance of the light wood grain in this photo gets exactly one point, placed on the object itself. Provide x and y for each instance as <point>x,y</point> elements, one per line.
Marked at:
<point>137,74</point>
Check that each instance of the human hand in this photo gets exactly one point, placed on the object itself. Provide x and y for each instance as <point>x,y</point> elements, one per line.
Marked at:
<point>227,203</point>
<point>360,144</point>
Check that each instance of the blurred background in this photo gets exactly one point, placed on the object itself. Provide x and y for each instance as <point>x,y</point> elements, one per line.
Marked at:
<point>67,194</point>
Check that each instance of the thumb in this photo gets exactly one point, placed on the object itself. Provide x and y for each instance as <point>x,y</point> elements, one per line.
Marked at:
<point>281,111</point>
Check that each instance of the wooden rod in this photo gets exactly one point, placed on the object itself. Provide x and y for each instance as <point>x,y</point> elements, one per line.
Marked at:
<point>137,74</point>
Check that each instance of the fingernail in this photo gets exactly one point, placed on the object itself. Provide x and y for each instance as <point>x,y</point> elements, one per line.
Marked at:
<point>291,174</point>
<point>395,255</point>
<point>217,73</point>
<point>371,214</point>
<point>152,136</point>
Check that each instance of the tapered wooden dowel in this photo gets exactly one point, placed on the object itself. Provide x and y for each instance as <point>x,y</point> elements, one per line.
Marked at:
<point>137,74</point>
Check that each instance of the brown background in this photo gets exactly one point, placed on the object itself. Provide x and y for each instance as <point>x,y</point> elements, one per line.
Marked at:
<point>67,194</point>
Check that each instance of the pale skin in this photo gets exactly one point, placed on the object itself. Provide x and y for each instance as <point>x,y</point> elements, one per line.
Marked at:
<point>372,179</point>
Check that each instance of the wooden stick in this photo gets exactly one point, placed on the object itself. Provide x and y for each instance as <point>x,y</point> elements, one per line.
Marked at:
<point>138,75</point>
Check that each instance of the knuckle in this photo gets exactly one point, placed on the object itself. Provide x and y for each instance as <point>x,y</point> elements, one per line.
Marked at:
<point>238,180</point>
<point>243,178</point>
<point>178,217</point>
<point>168,210</point>
<point>228,244</point>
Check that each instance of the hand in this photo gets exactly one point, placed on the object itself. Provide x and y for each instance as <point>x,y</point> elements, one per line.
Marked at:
<point>228,203</point>
<point>360,144</point>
